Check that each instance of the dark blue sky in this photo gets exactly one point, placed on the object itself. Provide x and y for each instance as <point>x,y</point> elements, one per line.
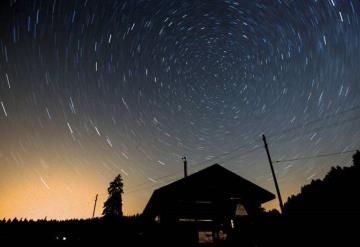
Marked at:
<point>90,89</point>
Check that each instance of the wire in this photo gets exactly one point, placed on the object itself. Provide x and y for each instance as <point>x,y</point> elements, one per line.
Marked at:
<point>193,166</point>
<point>216,158</point>
<point>318,129</point>
<point>315,156</point>
<point>140,186</point>
<point>274,134</point>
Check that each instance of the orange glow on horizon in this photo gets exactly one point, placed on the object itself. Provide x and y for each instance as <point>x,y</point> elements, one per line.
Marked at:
<point>58,202</point>
<point>57,192</point>
<point>60,196</point>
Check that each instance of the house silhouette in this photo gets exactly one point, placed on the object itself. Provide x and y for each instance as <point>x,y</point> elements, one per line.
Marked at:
<point>208,201</point>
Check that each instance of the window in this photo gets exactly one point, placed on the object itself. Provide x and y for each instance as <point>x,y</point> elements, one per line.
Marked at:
<point>240,210</point>
<point>221,236</point>
<point>206,237</point>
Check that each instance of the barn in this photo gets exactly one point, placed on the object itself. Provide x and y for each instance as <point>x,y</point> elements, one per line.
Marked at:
<point>208,202</point>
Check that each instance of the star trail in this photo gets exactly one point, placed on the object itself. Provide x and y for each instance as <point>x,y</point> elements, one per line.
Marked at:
<point>92,89</point>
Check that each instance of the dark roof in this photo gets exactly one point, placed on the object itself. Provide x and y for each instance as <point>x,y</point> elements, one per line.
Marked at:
<point>212,179</point>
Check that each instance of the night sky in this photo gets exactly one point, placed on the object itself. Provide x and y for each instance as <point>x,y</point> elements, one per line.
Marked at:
<point>91,89</point>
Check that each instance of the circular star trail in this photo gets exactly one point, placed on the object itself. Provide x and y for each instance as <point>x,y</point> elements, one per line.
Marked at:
<point>91,89</point>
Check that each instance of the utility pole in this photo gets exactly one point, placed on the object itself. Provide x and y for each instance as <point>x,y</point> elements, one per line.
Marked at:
<point>273,174</point>
<point>96,197</point>
<point>185,166</point>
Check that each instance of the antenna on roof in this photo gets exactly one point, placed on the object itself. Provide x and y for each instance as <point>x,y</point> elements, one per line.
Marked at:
<point>185,165</point>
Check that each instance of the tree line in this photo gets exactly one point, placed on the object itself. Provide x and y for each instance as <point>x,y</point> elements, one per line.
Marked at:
<point>322,213</point>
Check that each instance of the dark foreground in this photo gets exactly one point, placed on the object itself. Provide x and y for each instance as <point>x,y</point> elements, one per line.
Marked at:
<point>312,229</point>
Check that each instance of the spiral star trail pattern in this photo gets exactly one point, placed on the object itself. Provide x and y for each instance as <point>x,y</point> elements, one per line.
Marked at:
<point>91,89</point>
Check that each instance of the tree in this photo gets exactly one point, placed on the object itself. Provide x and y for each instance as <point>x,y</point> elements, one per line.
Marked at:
<point>356,158</point>
<point>113,205</point>
<point>336,192</point>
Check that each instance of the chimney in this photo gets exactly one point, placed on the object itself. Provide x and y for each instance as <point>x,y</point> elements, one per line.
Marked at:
<point>185,166</point>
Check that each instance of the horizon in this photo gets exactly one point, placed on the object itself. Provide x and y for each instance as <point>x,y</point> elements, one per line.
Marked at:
<point>268,206</point>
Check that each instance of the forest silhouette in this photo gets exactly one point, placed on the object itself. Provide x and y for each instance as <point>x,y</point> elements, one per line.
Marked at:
<point>336,193</point>
<point>324,212</point>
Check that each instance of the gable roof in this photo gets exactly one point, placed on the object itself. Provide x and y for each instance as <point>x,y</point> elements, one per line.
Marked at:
<point>212,179</point>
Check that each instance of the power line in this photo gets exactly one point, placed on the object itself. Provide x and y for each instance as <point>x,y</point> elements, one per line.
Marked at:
<point>196,165</point>
<point>140,186</point>
<point>233,157</point>
<point>315,156</point>
<point>237,156</point>
<point>271,135</point>
<point>318,129</point>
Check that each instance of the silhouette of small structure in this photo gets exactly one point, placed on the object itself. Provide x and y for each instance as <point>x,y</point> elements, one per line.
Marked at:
<point>206,205</point>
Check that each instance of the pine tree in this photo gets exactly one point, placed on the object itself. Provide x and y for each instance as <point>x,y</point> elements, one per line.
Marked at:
<point>356,158</point>
<point>113,205</point>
